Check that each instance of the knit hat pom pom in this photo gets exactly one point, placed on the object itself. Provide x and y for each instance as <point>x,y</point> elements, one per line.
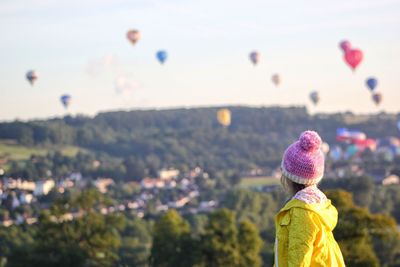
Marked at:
<point>310,141</point>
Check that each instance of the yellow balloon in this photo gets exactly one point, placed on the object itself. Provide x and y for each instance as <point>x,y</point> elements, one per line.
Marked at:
<point>224,117</point>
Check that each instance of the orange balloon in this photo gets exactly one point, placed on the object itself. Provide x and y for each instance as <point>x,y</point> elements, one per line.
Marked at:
<point>133,36</point>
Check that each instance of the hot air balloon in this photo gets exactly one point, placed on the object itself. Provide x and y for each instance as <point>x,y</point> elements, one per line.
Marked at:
<point>32,76</point>
<point>314,96</point>
<point>224,117</point>
<point>351,151</point>
<point>65,100</point>
<point>377,98</point>
<point>371,83</point>
<point>276,79</point>
<point>353,58</point>
<point>345,45</point>
<point>367,143</point>
<point>336,153</point>
<point>255,57</point>
<point>133,36</point>
<point>162,56</point>
<point>347,136</point>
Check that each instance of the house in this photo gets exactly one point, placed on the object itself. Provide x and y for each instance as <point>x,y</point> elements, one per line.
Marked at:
<point>179,203</point>
<point>66,184</point>
<point>171,184</point>
<point>43,187</point>
<point>184,183</point>
<point>379,175</point>
<point>149,183</point>
<point>145,196</point>
<point>75,176</point>
<point>25,198</point>
<point>161,208</point>
<point>15,203</point>
<point>194,194</point>
<point>168,174</point>
<point>102,184</point>
<point>133,205</point>
<point>195,172</point>
<point>207,206</point>
<point>391,179</point>
<point>7,223</point>
<point>20,184</point>
<point>31,220</point>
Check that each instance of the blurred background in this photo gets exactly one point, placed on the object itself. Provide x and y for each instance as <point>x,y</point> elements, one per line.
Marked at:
<point>150,133</point>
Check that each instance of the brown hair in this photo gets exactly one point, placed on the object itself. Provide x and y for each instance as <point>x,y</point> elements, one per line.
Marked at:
<point>290,186</point>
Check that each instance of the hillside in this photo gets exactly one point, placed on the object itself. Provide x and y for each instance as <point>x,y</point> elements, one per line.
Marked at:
<point>186,138</point>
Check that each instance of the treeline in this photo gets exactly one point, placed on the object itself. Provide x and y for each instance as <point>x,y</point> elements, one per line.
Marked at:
<point>186,138</point>
<point>56,165</point>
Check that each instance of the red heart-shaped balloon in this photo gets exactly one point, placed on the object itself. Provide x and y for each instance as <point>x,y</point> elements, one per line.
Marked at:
<point>353,57</point>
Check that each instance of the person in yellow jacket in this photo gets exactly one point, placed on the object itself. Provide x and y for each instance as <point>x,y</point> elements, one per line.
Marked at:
<point>304,225</point>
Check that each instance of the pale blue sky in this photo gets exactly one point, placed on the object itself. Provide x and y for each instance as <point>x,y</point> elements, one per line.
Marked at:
<point>70,43</point>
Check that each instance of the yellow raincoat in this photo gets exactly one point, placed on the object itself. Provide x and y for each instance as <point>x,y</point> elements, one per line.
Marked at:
<point>304,235</point>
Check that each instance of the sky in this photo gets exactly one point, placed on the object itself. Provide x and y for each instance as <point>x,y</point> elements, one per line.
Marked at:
<point>80,48</point>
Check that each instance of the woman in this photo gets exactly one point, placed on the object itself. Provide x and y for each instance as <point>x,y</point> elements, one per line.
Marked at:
<point>304,225</point>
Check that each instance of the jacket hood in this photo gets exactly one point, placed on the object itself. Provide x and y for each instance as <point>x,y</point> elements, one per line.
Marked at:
<point>326,211</point>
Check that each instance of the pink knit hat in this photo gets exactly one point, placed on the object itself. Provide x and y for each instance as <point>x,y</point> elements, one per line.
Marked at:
<point>303,161</point>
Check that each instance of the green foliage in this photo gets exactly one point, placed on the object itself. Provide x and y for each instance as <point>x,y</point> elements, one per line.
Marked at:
<point>221,243</point>
<point>90,239</point>
<point>387,200</point>
<point>250,245</point>
<point>365,239</point>
<point>220,240</point>
<point>145,141</point>
<point>135,246</point>
<point>362,188</point>
<point>259,208</point>
<point>12,238</point>
<point>169,237</point>
<point>56,164</point>
<point>190,137</point>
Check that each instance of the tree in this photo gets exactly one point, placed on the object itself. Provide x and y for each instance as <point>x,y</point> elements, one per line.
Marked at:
<point>136,242</point>
<point>365,239</point>
<point>219,242</point>
<point>90,239</point>
<point>170,233</point>
<point>250,245</point>
<point>259,208</point>
<point>14,238</point>
<point>361,188</point>
<point>135,169</point>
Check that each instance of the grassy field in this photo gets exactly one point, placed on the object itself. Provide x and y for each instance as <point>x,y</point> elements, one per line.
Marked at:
<point>251,182</point>
<point>19,152</point>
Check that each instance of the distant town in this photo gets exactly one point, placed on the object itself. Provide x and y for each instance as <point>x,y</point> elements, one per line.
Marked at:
<point>183,189</point>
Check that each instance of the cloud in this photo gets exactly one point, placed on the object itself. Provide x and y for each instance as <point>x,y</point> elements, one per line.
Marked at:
<point>125,86</point>
<point>101,65</point>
